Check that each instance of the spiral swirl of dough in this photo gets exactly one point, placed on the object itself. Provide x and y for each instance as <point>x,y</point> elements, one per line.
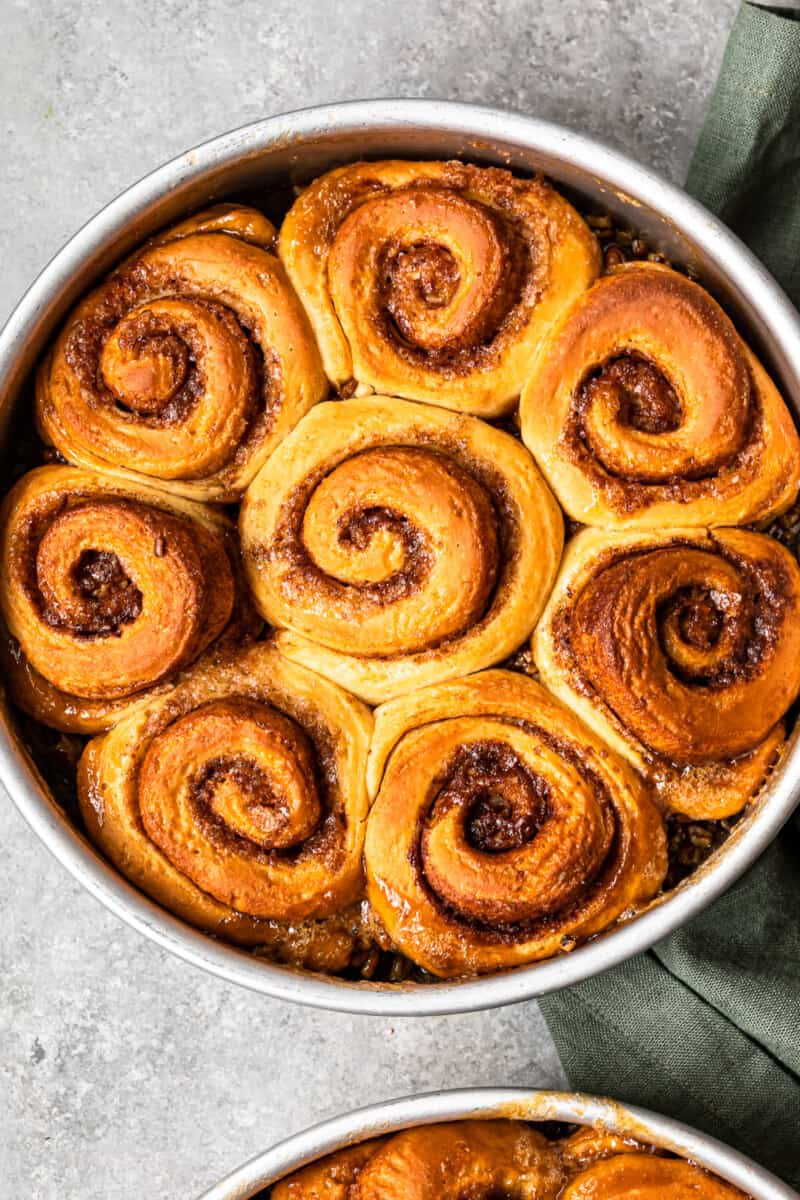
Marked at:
<point>238,798</point>
<point>109,588</point>
<point>435,281</point>
<point>645,409</point>
<point>395,544</point>
<point>682,649</point>
<point>503,831</point>
<point>188,364</point>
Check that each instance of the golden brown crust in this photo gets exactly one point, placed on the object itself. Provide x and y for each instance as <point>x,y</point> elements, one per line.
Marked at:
<point>109,588</point>
<point>435,280</point>
<point>682,650</point>
<point>188,364</point>
<point>645,409</point>
<point>397,544</point>
<point>236,800</point>
<point>504,831</point>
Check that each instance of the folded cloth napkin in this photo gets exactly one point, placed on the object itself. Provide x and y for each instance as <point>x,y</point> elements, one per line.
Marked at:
<point>706,1026</point>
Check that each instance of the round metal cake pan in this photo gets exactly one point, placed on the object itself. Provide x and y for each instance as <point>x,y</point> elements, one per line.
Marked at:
<point>261,163</point>
<point>267,1168</point>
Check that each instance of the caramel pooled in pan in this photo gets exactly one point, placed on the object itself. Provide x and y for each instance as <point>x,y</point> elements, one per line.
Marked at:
<point>237,800</point>
<point>435,281</point>
<point>645,409</point>
<point>397,544</point>
<point>188,364</point>
<point>503,830</point>
<point>109,588</point>
<point>682,650</point>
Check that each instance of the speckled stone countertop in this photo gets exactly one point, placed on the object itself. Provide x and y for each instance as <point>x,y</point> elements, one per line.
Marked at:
<point>123,1072</point>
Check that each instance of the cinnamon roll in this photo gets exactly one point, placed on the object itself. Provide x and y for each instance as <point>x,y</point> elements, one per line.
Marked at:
<point>503,831</point>
<point>435,281</point>
<point>396,544</point>
<point>108,589</point>
<point>648,1178</point>
<point>500,1158</point>
<point>463,1158</point>
<point>329,1178</point>
<point>188,364</point>
<point>645,409</point>
<point>237,800</point>
<point>682,650</point>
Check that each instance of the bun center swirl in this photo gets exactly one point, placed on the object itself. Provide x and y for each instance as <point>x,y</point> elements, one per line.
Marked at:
<point>174,382</point>
<point>516,828</point>
<point>248,780</point>
<point>120,593</point>
<point>665,634</point>
<point>164,359</point>
<point>502,830</point>
<point>405,524</point>
<point>187,364</point>
<point>237,800</point>
<point>503,801</point>
<point>647,412</point>
<point>682,650</point>
<point>435,281</point>
<point>447,271</point>
<point>234,794</point>
<point>394,544</point>
<point>632,392</point>
<point>84,588</point>
<point>641,420</point>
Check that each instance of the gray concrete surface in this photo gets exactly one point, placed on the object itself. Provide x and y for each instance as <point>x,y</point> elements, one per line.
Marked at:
<point>125,1073</point>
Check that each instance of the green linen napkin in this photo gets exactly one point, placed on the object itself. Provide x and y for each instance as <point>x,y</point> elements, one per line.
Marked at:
<point>706,1026</point>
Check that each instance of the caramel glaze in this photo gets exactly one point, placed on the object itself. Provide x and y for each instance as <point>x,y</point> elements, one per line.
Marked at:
<point>500,1159</point>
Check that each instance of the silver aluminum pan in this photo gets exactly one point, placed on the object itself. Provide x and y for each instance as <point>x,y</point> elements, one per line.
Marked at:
<point>254,163</point>
<point>650,1127</point>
